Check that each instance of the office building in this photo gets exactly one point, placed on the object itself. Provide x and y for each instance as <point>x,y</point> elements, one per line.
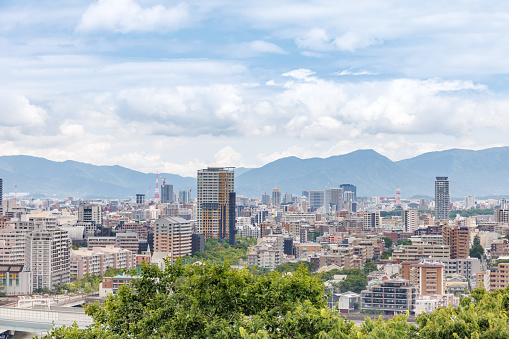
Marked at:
<point>140,199</point>
<point>458,239</point>
<point>216,203</point>
<point>91,213</point>
<point>349,188</point>
<point>469,202</point>
<point>276,197</point>
<point>185,197</point>
<point>173,235</point>
<point>336,198</point>
<point>316,199</point>
<point>166,193</point>
<point>265,199</point>
<point>410,219</point>
<point>442,199</point>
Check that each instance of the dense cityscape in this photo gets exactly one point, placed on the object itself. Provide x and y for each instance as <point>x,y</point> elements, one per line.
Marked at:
<point>376,255</point>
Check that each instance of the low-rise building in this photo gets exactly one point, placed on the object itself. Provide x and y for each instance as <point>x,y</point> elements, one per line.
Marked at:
<point>391,297</point>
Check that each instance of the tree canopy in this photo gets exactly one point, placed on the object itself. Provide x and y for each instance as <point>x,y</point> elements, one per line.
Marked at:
<point>477,251</point>
<point>215,301</point>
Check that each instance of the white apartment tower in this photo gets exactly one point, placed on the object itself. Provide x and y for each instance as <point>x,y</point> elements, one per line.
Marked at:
<point>410,220</point>
<point>442,199</point>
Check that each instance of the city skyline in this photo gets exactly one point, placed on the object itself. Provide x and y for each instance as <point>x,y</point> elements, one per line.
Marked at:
<point>175,87</point>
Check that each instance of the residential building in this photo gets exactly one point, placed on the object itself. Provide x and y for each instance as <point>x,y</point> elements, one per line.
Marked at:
<point>442,199</point>
<point>502,216</point>
<point>140,199</point>
<point>430,277</point>
<point>466,267</point>
<point>458,239</point>
<point>410,220</point>
<point>421,251</point>
<point>49,257</point>
<point>391,297</point>
<point>1,195</point>
<point>99,260</point>
<point>371,221</point>
<point>173,235</point>
<point>216,203</point>
<point>495,278</point>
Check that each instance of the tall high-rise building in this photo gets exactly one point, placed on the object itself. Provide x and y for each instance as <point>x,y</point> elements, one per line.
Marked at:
<point>410,220</point>
<point>349,188</point>
<point>216,203</point>
<point>276,197</point>
<point>185,197</point>
<point>1,195</point>
<point>442,199</point>
<point>266,199</point>
<point>336,198</point>
<point>316,199</point>
<point>166,193</point>
<point>469,202</point>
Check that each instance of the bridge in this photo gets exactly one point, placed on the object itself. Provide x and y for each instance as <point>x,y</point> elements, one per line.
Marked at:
<point>38,321</point>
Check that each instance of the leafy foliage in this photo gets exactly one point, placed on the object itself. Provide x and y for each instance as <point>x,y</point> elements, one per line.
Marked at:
<point>404,242</point>
<point>477,251</point>
<point>292,267</point>
<point>387,242</point>
<point>221,252</point>
<point>386,254</point>
<point>214,301</point>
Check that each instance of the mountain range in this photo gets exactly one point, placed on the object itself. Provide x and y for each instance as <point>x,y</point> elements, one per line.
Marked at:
<point>477,173</point>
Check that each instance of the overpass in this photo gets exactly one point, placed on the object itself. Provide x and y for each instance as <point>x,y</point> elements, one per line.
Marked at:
<point>37,321</point>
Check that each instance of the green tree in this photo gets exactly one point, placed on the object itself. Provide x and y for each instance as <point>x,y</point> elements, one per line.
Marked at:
<point>386,254</point>
<point>388,242</point>
<point>369,266</point>
<point>404,242</point>
<point>477,251</point>
<point>212,301</point>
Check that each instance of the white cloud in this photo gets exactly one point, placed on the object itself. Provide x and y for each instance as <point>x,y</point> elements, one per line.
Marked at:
<point>17,111</point>
<point>128,16</point>
<point>227,156</point>
<point>253,48</point>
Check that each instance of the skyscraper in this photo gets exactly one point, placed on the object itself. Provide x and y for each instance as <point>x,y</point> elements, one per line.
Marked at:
<point>216,203</point>
<point>442,199</point>
<point>166,193</point>
<point>349,188</point>
<point>1,194</point>
<point>276,197</point>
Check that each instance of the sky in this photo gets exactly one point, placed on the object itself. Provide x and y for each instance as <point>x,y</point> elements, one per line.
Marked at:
<point>175,86</point>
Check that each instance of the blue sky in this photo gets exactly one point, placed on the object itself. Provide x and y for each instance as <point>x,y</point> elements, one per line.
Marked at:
<point>174,86</point>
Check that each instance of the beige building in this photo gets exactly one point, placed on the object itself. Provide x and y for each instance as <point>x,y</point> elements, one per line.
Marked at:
<point>172,235</point>
<point>421,251</point>
<point>458,239</point>
<point>99,260</point>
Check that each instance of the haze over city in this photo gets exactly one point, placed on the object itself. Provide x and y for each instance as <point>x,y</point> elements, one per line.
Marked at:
<point>178,86</point>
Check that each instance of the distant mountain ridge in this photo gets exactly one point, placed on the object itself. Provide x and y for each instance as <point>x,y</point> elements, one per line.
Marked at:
<point>72,178</point>
<point>477,173</point>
